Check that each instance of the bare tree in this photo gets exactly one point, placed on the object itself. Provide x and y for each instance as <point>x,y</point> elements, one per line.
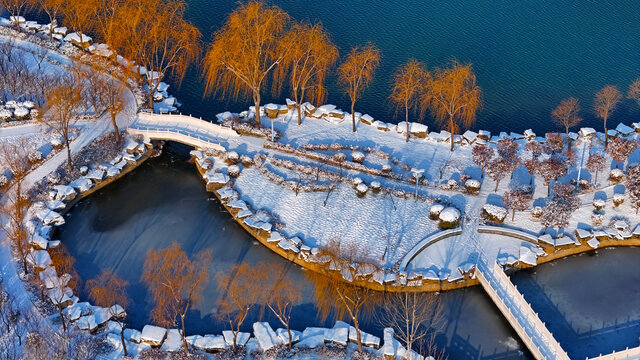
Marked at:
<point>497,169</point>
<point>552,168</point>
<point>66,281</point>
<point>408,82</point>
<point>105,92</point>
<point>356,72</point>
<point>281,296</point>
<point>620,150</point>
<point>110,291</point>
<point>309,54</point>
<point>17,8</point>
<point>516,200</point>
<point>336,291</point>
<point>605,102</point>
<point>634,90</point>
<point>508,150</point>
<point>453,97</point>
<point>176,283</point>
<point>566,114</point>
<point>633,186</point>
<point>245,51</point>
<point>482,155</point>
<point>64,106</point>
<point>414,316</point>
<point>80,16</point>
<point>53,8</point>
<point>534,150</point>
<point>243,288</point>
<point>595,164</point>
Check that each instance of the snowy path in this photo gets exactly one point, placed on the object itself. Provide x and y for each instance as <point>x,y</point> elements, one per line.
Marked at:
<point>90,131</point>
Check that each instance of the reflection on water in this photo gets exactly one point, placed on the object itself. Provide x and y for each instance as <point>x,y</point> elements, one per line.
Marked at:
<point>164,200</point>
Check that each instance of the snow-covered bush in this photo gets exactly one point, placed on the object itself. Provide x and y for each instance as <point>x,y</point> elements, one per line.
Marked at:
<point>21,113</point>
<point>616,175</point>
<point>53,178</point>
<point>599,204</point>
<point>232,157</point>
<point>449,218</point>
<point>618,199</point>
<point>234,170</point>
<point>339,157</point>
<point>472,186</point>
<point>361,189</point>
<point>4,180</point>
<point>246,160</point>
<point>375,186</point>
<point>357,157</point>
<point>597,218</point>
<point>435,210</point>
<point>5,115</point>
<point>536,212</point>
<point>450,185</point>
<point>386,169</point>
<point>356,181</point>
<point>399,193</point>
<point>34,156</point>
<point>56,143</point>
<point>494,213</point>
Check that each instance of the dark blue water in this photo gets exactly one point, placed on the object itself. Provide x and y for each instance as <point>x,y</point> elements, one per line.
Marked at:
<point>528,55</point>
<point>591,303</point>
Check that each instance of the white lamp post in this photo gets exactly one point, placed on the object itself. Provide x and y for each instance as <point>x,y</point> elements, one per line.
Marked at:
<point>416,175</point>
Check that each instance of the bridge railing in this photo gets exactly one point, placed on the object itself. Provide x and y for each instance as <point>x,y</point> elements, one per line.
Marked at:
<point>192,139</point>
<point>519,312</point>
<point>189,120</point>
<point>628,353</point>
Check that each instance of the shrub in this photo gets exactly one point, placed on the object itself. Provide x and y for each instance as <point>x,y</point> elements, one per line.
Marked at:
<point>435,210</point>
<point>449,218</point>
<point>246,160</point>
<point>616,175</point>
<point>472,186</point>
<point>375,187</point>
<point>361,189</point>
<point>356,181</point>
<point>357,157</point>
<point>232,157</point>
<point>494,213</point>
<point>536,212</point>
<point>234,170</point>
<point>340,157</point>
<point>386,169</point>
<point>599,204</point>
<point>597,218</point>
<point>618,199</point>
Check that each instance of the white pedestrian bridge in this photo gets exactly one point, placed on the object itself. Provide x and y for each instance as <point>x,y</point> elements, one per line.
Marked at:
<point>181,128</point>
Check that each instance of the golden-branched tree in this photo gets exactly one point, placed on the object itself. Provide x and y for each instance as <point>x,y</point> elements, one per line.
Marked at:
<point>605,102</point>
<point>17,8</point>
<point>408,83</point>
<point>281,296</point>
<point>634,90</point>
<point>242,287</point>
<point>567,115</point>
<point>65,283</point>
<point>309,54</point>
<point>245,51</point>
<point>52,8</point>
<point>14,156</point>
<point>336,291</point>
<point>64,104</point>
<point>453,97</point>
<point>167,43</point>
<point>106,22</point>
<point>109,291</point>
<point>356,72</point>
<point>80,16</point>
<point>175,282</point>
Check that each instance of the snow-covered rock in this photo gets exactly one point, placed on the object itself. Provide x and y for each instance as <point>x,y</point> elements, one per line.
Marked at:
<point>283,334</point>
<point>265,335</point>
<point>241,338</point>
<point>153,335</point>
<point>96,175</point>
<point>495,213</point>
<point>209,342</point>
<point>82,184</point>
<point>450,215</point>
<point>367,339</point>
<point>173,341</point>
<point>339,334</point>
<point>64,192</point>
<point>39,259</point>
<point>87,323</point>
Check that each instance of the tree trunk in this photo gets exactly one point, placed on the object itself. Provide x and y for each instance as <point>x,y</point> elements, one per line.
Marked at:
<point>124,345</point>
<point>235,339</point>
<point>406,118</point>
<point>353,115</point>
<point>531,180</point>
<point>497,183</point>
<point>513,215</point>
<point>184,341</point>
<point>606,138</point>
<point>451,128</point>
<point>115,127</point>
<point>290,338</point>
<point>64,325</point>
<point>568,139</point>
<point>69,163</point>
<point>256,102</point>
<point>355,324</point>
<point>549,189</point>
